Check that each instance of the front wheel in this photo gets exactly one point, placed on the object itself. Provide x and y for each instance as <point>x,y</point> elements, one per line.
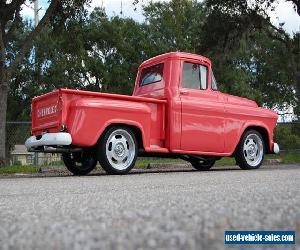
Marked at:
<point>117,150</point>
<point>250,151</point>
<point>79,163</point>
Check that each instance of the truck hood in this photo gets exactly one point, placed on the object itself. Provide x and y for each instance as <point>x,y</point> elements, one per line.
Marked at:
<point>239,100</point>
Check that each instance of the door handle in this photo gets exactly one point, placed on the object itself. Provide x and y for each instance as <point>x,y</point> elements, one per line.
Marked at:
<point>184,92</point>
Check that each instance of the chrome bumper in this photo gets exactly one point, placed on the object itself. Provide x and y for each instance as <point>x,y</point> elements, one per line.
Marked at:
<point>276,149</point>
<point>48,139</point>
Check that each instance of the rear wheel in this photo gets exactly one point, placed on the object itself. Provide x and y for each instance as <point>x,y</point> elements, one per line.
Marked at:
<point>79,163</point>
<point>117,150</point>
<point>250,151</point>
<point>203,165</point>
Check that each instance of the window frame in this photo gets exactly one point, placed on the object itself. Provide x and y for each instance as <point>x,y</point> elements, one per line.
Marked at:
<point>154,65</point>
<point>199,65</point>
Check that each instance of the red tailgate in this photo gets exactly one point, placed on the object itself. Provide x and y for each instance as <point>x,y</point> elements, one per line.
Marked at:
<point>46,113</point>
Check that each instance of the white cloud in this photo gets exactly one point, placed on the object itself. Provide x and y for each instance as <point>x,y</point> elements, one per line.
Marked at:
<point>285,13</point>
<point>118,7</point>
<point>27,9</point>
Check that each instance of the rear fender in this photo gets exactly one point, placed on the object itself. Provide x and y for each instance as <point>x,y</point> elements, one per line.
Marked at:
<point>88,118</point>
<point>126,123</point>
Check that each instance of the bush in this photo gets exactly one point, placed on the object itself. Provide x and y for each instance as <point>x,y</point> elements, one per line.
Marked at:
<point>288,136</point>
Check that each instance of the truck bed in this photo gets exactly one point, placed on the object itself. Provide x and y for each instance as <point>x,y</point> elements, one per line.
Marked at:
<point>55,112</point>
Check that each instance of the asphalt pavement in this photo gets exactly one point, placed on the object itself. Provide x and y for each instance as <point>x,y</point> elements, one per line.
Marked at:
<point>178,209</point>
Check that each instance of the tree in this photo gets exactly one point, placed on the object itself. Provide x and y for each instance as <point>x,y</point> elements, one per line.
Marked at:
<point>113,60</point>
<point>174,25</point>
<point>103,56</point>
<point>10,19</point>
<point>253,16</point>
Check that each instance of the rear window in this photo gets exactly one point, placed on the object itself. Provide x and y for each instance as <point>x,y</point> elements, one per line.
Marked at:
<point>152,74</point>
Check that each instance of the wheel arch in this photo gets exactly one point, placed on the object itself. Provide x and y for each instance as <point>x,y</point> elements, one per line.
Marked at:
<point>263,132</point>
<point>135,127</point>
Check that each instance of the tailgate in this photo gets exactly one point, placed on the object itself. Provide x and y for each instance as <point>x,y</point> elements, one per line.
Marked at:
<point>46,113</point>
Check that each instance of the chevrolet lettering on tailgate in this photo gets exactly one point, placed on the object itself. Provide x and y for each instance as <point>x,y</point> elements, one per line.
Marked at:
<point>46,111</point>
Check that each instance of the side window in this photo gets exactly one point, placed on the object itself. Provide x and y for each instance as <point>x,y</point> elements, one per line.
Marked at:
<point>152,74</point>
<point>194,76</point>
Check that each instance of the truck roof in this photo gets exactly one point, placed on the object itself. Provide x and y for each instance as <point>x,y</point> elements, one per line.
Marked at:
<point>178,55</point>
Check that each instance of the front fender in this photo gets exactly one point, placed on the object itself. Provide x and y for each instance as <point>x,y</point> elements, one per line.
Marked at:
<point>261,125</point>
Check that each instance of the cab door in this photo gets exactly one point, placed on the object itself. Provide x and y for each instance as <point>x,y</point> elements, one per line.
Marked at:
<point>202,110</point>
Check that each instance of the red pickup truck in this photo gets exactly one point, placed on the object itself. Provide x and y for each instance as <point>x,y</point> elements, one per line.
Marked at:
<point>176,111</point>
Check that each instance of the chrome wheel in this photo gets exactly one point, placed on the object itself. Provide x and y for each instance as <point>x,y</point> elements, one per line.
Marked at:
<point>120,149</point>
<point>253,150</point>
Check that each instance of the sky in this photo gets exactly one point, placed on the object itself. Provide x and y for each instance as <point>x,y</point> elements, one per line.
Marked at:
<point>283,13</point>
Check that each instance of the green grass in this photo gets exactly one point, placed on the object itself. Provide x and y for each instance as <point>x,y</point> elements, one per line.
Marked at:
<point>225,161</point>
<point>290,157</point>
<point>144,162</point>
<point>18,169</point>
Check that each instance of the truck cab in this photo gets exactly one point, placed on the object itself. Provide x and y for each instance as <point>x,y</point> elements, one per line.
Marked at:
<point>175,111</point>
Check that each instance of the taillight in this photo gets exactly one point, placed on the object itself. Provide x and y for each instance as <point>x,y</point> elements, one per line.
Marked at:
<point>63,128</point>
